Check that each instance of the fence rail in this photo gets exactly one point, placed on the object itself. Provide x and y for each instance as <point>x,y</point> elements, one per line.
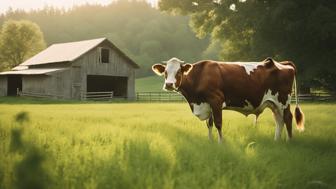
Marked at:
<point>318,96</point>
<point>106,95</point>
<point>164,96</point>
<point>176,97</point>
<point>159,97</point>
<point>38,95</point>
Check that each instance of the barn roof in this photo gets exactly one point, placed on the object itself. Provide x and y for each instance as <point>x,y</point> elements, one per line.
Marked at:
<point>67,52</point>
<point>34,71</point>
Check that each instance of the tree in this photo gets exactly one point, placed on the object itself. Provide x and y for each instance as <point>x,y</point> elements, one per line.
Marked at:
<point>19,41</point>
<point>301,31</point>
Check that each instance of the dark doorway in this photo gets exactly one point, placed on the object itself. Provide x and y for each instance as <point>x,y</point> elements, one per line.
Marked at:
<point>14,82</point>
<point>101,83</point>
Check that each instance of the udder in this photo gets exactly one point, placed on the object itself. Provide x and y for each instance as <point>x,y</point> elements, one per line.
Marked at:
<point>202,110</point>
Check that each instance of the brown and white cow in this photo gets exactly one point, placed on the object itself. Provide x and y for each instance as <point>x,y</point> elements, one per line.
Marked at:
<point>247,87</point>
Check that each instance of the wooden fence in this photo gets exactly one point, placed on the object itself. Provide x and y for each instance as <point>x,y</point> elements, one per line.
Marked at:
<point>176,97</point>
<point>108,95</point>
<point>320,96</point>
<point>39,95</point>
<point>159,97</point>
<point>166,96</point>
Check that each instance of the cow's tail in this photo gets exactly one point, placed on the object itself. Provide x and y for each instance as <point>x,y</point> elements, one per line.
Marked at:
<point>299,116</point>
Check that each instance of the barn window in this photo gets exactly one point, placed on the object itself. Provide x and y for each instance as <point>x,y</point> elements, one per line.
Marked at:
<point>105,55</point>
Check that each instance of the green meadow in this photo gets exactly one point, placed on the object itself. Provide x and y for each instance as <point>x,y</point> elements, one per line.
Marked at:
<point>46,144</point>
<point>149,84</point>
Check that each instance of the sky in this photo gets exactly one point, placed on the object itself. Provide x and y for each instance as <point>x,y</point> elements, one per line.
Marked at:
<point>39,4</point>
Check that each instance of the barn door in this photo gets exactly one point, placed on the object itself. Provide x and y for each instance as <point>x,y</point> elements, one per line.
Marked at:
<point>14,83</point>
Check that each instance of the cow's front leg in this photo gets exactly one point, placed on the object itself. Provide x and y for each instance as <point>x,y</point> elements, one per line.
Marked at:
<point>217,115</point>
<point>209,123</point>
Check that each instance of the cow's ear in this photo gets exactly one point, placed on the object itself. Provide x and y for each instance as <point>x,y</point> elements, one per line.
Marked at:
<point>158,69</point>
<point>186,68</point>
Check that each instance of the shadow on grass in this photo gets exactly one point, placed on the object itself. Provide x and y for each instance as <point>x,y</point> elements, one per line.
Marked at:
<point>198,163</point>
<point>28,171</point>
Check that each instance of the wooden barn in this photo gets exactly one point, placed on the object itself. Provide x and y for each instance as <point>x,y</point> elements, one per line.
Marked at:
<point>75,70</point>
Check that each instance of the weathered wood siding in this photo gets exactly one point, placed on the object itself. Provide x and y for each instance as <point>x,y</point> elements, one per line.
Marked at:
<point>41,84</point>
<point>61,84</point>
<point>56,85</point>
<point>3,85</point>
<point>89,64</point>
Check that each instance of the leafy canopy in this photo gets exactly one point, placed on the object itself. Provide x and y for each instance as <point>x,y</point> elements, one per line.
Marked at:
<point>19,40</point>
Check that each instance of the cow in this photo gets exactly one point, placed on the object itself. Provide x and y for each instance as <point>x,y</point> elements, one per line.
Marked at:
<point>246,87</point>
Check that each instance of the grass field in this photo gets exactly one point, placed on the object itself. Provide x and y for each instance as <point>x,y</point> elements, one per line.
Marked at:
<point>139,145</point>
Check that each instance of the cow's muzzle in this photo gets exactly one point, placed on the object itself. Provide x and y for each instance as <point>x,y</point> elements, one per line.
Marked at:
<point>169,86</point>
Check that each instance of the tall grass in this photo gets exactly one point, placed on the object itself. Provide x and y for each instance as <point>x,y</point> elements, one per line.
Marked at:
<point>164,146</point>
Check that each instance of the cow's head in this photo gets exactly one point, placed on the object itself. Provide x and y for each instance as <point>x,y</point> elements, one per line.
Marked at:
<point>173,72</point>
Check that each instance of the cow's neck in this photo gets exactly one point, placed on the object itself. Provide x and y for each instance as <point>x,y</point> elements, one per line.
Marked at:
<point>186,88</point>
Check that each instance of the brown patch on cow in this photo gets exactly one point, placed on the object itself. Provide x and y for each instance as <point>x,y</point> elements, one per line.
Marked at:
<point>178,78</point>
<point>186,68</point>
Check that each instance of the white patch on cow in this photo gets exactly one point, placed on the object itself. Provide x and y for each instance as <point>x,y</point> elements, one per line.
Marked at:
<point>278,116</point>
<point>172,67</point>
<point>268,97</point>
<point>268,100</point>
<point>202,111</point>
<point>248,66</point>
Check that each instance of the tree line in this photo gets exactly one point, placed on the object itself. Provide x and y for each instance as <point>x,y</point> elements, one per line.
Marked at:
<point>144,33</point>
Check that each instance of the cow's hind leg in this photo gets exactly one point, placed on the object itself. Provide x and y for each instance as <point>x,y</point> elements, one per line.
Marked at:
<point>209,123</point>
<point>217,115</point>
<point>288,117</point>
<point>279,121</point>
<point>256,120</point>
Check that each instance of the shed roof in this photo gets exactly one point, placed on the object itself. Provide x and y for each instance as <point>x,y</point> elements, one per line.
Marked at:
<point>39,71</point>
<point>67,52</point>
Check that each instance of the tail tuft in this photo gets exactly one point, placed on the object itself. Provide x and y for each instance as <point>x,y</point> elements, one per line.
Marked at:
<point>299,117</point>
